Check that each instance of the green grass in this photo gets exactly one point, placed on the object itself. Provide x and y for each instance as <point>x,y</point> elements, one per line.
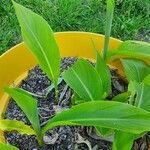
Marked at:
<point>131,20</point>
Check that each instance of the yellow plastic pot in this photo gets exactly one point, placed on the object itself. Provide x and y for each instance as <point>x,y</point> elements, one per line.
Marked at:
<point>15,63</point>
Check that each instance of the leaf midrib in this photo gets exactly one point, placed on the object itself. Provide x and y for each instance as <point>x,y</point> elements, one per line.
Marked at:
<point>96,119</point>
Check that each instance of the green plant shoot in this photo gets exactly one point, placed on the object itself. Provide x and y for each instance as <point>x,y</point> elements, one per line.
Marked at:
<point>109,18</point>
<point>39,38</point>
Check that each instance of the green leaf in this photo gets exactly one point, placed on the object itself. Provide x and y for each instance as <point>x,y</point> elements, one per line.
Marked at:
<point>13,125</point>
<point>135,69</point>
<point>123,97</point>
<point>84,80</point>
<point>103,131</point>
<point>131,49</point>
<point>104,73</point>
<point>123,140</point>
<point>39,38</point>
<point>109,18</point>
<point>7,147</point>
<point>28,104</point>
<point>107,114</point>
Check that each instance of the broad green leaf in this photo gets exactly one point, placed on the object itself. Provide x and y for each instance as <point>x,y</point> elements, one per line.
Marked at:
<point>135,69</point>
<point>123,97</point>
<point>123,141</point>
<point>13,125</point>
<point>39,38</point>
<point>109,18</point>
<point>131,49</point>
<point>7,147</point>
<point>84,80</point>
<point>107,114</point>
<point>28,104</point>
<point>104,73</point>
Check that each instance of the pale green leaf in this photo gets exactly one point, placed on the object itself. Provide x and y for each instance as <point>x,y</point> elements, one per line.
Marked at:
<point>107,114</point>
<point>123,140</point>
<point>13,125</point>
<point>131,49</point>
<point>7,147</point>
<point>39,38</point>
<point>84,80</point>
<point>28,104</point>
<point>104,73</point>
<point>135,69</point>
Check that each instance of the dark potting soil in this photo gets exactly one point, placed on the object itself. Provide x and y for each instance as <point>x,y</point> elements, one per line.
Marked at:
<point>59,138</point>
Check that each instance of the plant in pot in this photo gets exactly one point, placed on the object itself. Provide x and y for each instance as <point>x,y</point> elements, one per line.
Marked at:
<point>126,115</point>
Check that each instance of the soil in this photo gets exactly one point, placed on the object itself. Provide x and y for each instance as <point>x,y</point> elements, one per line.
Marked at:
<point>59,138</point>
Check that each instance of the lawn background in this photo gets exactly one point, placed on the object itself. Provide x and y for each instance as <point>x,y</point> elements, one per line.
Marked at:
<point>131,19</point>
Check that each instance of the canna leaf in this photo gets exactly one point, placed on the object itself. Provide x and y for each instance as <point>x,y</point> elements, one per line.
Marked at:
<point>135,69</point>
<point>39,38</point>
<point>131,49</point>
<point>84,80</point>
<point>104,73</point>
<point>107,114</point>
<point>123,140</point>
<point>13,125</point>
<point>28,104</point>
<point>7,147</point>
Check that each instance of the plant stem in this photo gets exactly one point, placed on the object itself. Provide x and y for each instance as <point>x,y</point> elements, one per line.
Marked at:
<point>56,92</point>
<point>40,140</point>
<point>109,17</point>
